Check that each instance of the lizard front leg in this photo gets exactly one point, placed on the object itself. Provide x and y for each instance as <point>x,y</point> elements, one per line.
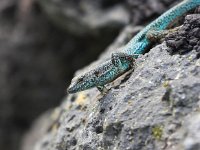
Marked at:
<point>102,89</point>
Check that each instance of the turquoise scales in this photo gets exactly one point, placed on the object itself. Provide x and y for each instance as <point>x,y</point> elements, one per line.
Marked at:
<point>124,60</point>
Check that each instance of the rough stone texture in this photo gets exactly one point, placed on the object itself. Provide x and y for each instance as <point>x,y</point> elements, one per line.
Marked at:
<point>180,42</point>
<point>155,107</point>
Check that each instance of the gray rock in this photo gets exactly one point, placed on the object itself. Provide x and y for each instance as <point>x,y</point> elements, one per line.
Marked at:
<point>192,139</point>
<point>35,53</point>
<point>86,16</point>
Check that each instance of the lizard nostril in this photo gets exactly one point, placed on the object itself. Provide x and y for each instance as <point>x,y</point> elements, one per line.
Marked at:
<point>70,89</point>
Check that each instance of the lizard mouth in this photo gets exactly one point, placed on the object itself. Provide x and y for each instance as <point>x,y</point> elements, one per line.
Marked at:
<point>70,90</point>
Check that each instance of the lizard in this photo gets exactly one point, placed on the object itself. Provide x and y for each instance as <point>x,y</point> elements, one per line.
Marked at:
<point>124,60</point>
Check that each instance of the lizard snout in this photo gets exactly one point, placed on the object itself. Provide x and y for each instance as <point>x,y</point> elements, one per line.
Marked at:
<point>71,89</point>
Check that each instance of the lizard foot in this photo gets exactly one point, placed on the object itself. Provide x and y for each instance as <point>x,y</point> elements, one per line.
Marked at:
<point>102,89</point>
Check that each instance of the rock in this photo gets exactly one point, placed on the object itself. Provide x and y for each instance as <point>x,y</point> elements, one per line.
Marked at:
<point>181,40</point>
<point>86,17</point>
<point>149,109</point>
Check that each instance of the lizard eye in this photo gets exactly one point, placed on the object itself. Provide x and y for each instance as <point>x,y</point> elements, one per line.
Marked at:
<point>96,73</point>
<point>92,80</point>
<point>80,79</point>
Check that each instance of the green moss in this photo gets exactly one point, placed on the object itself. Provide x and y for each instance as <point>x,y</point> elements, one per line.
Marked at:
<point>166,84</point>
<point>157,132</point>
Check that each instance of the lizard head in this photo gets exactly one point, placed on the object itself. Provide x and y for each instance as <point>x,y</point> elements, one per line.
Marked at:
<point>83,82</point>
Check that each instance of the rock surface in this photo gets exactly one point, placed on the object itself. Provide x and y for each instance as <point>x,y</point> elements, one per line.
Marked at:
<point>155,107</point>
<point>86,16</point>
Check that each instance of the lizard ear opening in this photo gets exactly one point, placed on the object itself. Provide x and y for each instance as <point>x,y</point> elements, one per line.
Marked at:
<point>115,58</point>
<point>118,58</point>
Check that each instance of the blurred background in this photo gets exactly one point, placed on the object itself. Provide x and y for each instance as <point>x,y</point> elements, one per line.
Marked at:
<point>42,44</point>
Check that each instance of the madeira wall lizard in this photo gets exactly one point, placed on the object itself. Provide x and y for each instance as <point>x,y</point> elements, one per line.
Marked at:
<point>124,60</point>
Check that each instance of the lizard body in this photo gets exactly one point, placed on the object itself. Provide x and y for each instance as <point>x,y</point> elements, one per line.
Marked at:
<point>124,60</point>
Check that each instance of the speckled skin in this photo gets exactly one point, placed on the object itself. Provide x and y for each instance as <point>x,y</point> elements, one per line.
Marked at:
<point>104,73</point>
<point>124,61</point>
